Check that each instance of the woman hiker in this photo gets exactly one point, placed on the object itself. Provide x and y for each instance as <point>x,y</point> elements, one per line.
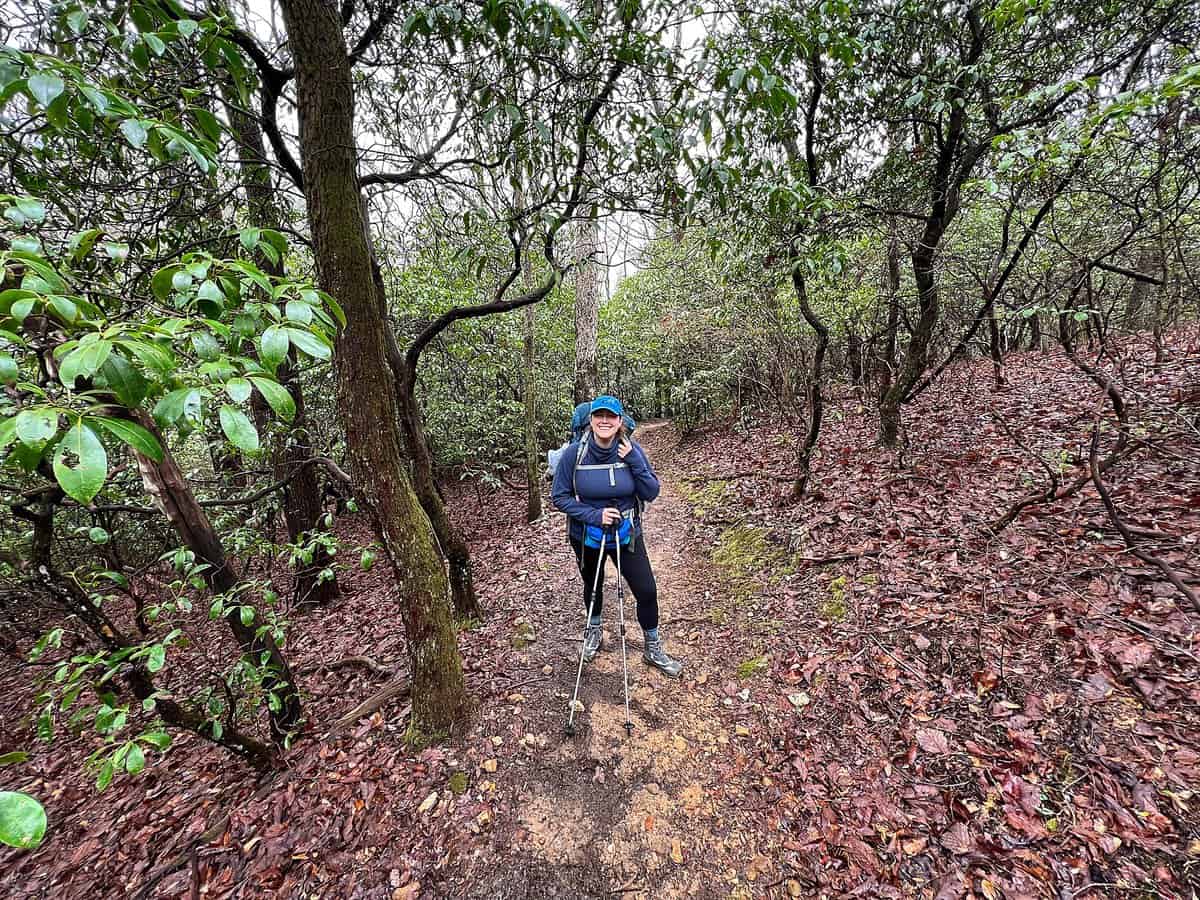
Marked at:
<point>603,489</point>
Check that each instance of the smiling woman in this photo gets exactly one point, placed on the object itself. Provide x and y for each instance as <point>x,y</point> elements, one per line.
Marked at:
<point>601,483</point>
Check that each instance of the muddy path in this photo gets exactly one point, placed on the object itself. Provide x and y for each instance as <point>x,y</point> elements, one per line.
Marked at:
<point>653,813</point>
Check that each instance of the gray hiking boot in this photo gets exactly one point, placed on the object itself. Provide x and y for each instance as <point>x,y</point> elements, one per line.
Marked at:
<point>593,638</point>
<point>656,656</point>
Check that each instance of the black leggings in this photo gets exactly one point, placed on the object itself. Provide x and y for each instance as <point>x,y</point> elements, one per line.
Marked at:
<point>635,566</point>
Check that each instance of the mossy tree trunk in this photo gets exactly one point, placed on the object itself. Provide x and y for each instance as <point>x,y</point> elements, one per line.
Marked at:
<point>368,404</point>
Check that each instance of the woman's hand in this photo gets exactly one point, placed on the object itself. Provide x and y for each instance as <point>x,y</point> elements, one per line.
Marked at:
<point>610,516</point>
<point>624,448</point>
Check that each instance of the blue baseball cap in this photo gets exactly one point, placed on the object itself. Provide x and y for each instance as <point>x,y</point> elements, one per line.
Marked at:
<point>612,404</point>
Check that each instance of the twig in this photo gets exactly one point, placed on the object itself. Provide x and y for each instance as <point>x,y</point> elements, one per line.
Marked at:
<point>898,660</point>
<point>1130,541</point>
<point>367,707</point>
<point>364,661</point>
<point>733,476</point>
<point>839,557</point>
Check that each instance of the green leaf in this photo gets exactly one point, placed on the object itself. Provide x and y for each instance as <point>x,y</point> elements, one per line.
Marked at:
<point>83,362</point>
<point>206,346</point>
<point>238,389</point>
<point>27,242</point>
<point>298,311</point>
<point>160,740</point>
<point>8,369</point>
<point>187,27</point>
<point>181,279</point>
<point>22,820</point>
<point>8,432</point>
<point>36,426</point>
<point>273,346</point>
<point>16,756</point>
<point>334,307</point>
<point>124,380</point>
<point>83,480</point>
<point>22,308</point>
<point>116,250</point>
<point>131,434</point>
<point>135,759</point>
<point>150,355</point>
<point>155,43</point>
<point>135,132</point>
<point>104,779</point>
<point>32,210</point>
<point>44,87</point>
<point>65,309</point>
<point>156,657</point>
<point>184,402</point>
<point>366,560</point>
<point>98,100</point>
<point>98,535</point>
<point>210,290</point>
<point>77,20</point>
<point>250,237</point>
<point>238,428</point>
<point>277,396</point>
<point>309,343</point>
<point>160,284</point>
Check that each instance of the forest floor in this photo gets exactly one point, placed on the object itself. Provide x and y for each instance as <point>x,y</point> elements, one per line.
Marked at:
<point>881,697</point>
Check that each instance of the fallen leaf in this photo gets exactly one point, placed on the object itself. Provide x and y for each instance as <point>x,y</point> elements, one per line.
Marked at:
<point>676,852</point>
<point>932,741</point>
<point>958,839</point>
<point>488,765</point>
<point>427,803</point>
<point>913,846</point>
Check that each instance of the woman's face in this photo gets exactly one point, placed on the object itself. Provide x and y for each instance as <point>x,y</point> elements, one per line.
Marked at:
<point>605,424</point>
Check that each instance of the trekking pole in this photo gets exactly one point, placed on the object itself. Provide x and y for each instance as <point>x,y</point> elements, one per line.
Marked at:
<point>621,619</point>
<point>570,729</point>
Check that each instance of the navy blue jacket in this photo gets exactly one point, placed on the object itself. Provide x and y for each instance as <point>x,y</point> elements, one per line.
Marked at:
<point>614,482</point>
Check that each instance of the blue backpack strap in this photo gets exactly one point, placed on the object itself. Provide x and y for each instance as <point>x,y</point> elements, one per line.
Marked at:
<point>583,445</point>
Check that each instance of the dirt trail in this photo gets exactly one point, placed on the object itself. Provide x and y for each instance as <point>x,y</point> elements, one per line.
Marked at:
<point>646,815</point>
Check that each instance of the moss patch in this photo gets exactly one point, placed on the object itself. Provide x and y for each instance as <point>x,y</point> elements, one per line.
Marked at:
<point>745,554</point>
<point>751,667</point>
<point>834,608</point>
<point>458,783</point>
<point>416,740</point>
<point>705,496</point>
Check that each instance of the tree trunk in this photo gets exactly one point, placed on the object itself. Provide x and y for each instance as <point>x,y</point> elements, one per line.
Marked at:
<point>994,348</point>
<point>533,504</point>
<point>816,404</point>
<point>887,367</point>
<point>367,398</point>
<point>587,305</point>
<point>301,494</point>
<point>854,357</point>
<point>1035,332</point>
<point>453,545</point>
